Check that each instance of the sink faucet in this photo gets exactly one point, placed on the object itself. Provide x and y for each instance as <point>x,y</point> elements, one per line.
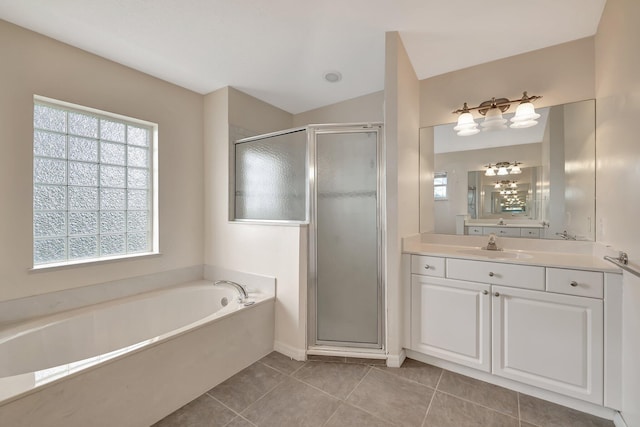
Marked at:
<point>492,244</point>
<point>243,295</point>
<point>501,222</point>
<point>566,236</point>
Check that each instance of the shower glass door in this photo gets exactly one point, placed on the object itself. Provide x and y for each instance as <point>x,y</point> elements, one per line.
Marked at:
<point>348,291</point>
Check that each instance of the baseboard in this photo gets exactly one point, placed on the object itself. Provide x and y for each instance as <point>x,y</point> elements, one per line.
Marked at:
<point>618,421</point>
<point>292,352</point>
<point>396,360</point>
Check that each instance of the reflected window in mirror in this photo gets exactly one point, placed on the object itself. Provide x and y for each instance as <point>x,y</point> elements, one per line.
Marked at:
<point>440,186</point>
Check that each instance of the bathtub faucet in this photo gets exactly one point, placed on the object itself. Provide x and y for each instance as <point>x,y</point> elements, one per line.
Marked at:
<point>241,290</point>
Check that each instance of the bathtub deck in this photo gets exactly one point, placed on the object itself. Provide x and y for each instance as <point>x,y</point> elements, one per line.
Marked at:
<point>277,391</point>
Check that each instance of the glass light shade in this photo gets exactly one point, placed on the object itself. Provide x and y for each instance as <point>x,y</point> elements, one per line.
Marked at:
<point>466,125</point>
<point>490,172</point>
<point>493,120</point>
<point>497,185</point>
<point>525,112</point>
<point>503,171</point>
<point>515,170</point>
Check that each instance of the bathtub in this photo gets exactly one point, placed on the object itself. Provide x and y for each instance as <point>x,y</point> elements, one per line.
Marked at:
<point>131,361</point>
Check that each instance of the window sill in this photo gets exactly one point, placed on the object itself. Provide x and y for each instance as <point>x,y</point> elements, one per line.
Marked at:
<point>90,262</point>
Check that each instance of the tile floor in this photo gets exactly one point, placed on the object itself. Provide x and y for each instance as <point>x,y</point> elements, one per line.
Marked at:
<point>332,392</point>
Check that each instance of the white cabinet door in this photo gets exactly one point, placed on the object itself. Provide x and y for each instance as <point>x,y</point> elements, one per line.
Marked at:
<point>550,341</point>
<point>450,320</point>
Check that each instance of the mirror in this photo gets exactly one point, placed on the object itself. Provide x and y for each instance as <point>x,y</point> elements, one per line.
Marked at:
<point>552,196</point>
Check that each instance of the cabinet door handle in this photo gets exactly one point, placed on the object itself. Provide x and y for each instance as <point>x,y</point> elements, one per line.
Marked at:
<point>426,267</point>
<point>491,274</point>
<point>497,294</point>
<point>574,283</point>
<point>485,292</point>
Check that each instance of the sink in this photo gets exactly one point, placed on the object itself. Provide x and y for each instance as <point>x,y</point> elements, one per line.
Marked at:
<point>494,254</point>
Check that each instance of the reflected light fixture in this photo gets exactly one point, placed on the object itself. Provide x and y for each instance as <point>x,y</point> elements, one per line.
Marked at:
<point>503,168</point>
<point>492,110</point>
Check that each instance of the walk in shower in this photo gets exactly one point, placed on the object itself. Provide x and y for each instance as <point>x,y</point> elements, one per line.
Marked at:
<point>331,177</point>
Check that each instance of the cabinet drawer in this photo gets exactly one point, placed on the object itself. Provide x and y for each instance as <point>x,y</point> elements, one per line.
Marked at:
<point>520,276</point>
<point>532,233</point>
<point>575,282</point>
<point>502,231</point>
<point>477,231</point>
<point>427,265</point>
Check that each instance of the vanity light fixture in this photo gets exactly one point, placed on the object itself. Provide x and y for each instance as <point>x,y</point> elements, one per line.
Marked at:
<point>492,110</point>
<point>503,168</point>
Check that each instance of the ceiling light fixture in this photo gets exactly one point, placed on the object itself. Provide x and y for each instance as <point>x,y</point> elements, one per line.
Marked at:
<point>492,110</point>
<point>333,76</point>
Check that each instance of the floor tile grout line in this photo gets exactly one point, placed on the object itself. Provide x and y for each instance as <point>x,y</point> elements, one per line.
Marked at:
<point>387,371</point>
<point>479,404</point>
<point>359,382</point>
<point>519,415</point>
<point>433,396</point>
<point>372,414</point>
<point>222,403</point>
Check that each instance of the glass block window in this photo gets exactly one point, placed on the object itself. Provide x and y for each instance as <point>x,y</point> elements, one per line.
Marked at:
<point>440,186</point>
<point>92,185</point>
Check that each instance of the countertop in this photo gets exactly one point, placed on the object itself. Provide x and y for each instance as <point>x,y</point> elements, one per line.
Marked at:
<point>563,259</point>
<point>506,225</point>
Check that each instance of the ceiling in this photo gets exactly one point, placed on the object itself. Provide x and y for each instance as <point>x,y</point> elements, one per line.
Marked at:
<point>279,50</point>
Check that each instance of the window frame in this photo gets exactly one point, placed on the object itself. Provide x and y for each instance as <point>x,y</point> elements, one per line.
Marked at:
<point>153,225</point>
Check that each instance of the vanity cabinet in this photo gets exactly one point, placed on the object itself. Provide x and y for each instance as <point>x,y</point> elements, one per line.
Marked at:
<point>451,320</point>
<point>549,340</point>
<point>533,324</point>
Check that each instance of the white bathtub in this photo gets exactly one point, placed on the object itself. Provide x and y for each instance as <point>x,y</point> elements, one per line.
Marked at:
<point>53,369</point>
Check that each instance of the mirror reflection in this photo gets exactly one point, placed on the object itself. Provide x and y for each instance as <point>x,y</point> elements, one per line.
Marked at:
<point>537,182</point>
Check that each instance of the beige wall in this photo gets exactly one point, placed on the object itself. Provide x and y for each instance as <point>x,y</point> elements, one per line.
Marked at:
<point>367,108</point>
<point>34,64</point>
<point>617,84</point>
<point>402,109</point>
<point>276,251</point>
<point>561,74</point>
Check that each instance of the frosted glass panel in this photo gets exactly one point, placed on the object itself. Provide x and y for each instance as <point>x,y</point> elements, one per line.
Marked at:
<point>137,221</point>
<point>137,136</point>
<point>85,174</point>
<point>112,222</point>
<point>112,131</point>
<point>137,242</point>
<point>49,250</point>
<point>83,198</point>
<point>49,224</point>
<point>112,153</point>
<point>112,199</point>
<point>49,118</point>
<point>347,253</point>
<point>46,197</point>
<point>112,244</point>
<point>83,222</point>
<point>83,149</point>
<point>83,247</point>
<point>137,199</point>
<point>137,178</point>
<point>49,171</point>
<point>83,125</point>
<point>137,156</point>
<point>271,178</point>
<point>112,176</point>
<point>49,144</point>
